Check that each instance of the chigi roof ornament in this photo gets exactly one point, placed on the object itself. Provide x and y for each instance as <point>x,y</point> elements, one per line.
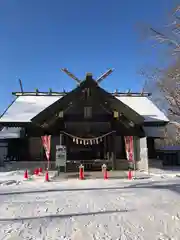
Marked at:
<point>71,75</point>
<point>104,75</point>
<point>98,80</point>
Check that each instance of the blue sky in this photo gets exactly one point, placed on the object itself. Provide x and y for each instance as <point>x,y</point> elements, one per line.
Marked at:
<point>38,37</point>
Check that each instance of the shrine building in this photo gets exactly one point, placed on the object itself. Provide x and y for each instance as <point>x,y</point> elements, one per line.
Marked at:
<point>93,124</point>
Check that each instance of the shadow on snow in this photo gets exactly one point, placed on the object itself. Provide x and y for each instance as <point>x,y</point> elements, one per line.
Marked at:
<point>65,215</point>
<point>151,185</point>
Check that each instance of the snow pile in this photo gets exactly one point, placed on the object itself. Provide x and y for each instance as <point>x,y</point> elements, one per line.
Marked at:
<point>13,177</point>
<point>9,182</point>
<point>17,177</point>
<point>91,209</point>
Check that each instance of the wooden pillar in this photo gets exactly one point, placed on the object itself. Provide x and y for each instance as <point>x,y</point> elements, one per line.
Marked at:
<point>113,150</point>
<point>60,168</point>
<point>109,147</point>
<point>105,148</point>
<point>61,139</point>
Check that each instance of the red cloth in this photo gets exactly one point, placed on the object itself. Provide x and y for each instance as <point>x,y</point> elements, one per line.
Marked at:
<point>46,141</point>
<point>129,148</point>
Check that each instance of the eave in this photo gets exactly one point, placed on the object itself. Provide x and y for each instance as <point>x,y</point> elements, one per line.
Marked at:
<point>156,123</point>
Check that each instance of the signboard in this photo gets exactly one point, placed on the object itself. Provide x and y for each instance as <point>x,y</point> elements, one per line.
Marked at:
<point>61,156</point>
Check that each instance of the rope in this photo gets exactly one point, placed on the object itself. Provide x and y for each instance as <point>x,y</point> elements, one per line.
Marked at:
<point>87,141</point>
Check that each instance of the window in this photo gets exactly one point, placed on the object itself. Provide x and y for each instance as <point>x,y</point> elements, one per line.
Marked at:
<point>87,112</point>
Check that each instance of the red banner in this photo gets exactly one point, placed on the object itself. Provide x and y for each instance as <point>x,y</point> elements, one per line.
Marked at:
<point>129,148</point>
<point>46,141</point>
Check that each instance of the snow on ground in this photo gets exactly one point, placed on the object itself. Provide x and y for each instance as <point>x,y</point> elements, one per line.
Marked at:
<point>91,210</point>
<point>170,172</point>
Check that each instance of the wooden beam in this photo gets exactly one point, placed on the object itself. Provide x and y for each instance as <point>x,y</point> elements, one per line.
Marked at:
<point>117,94</point>
<point>131,94</point>
<point>39,93</point>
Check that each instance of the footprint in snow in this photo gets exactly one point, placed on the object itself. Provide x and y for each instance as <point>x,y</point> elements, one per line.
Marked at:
<point>58,230</point>
<point>164,237</point>
<point>86,225</point>
<point>40,230</point>
<point>8,231</point>
<point>151,218</point>
<point>177,217</point>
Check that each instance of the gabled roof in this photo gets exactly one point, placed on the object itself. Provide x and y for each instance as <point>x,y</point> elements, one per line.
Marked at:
<point>145,107</point>
<point>101,94</point>
<point>24,108</point>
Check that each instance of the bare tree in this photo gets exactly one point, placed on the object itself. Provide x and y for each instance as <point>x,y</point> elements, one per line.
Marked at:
<point>165,87</point>
<point>165,95</point>
<point>169,85</point>
<point>165,83</point>
<point>169,34</point>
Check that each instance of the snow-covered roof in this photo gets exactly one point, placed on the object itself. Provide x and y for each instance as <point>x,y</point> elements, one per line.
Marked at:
<point>12,132</point>
<point>24,108</point>
<point>170,148</point>
<point>144,107</point>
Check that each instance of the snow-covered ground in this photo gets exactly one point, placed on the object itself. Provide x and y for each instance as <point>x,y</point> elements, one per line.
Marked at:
<point>171,171</point>
<point>90,209</point>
